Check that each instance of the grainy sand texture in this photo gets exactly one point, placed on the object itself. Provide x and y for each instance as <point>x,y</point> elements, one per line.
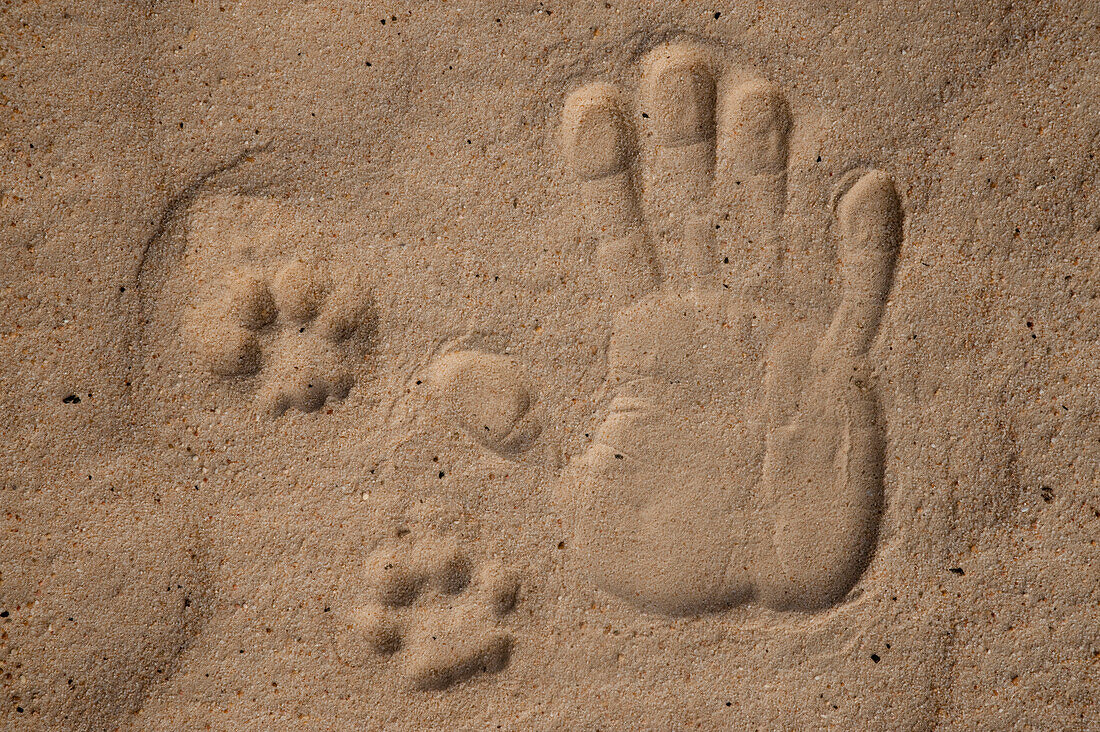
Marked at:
<point>550,365</point>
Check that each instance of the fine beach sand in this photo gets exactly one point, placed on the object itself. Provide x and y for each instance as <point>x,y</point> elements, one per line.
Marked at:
<point>550,366</point>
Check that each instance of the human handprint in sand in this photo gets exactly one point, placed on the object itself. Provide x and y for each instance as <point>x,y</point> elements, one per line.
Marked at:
<point>741,455</point>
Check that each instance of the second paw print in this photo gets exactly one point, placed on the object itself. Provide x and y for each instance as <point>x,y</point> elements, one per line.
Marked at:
<point>290,332</point>
<point>429,607</point>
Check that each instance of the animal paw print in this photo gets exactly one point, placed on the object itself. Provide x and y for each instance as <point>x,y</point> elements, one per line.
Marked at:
<point>291,334</point>
<point>492,398</point>
<point>741,456</point>
<point>428,607</point>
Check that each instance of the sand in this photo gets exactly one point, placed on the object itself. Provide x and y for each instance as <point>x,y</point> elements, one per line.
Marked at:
<point>550,366</point>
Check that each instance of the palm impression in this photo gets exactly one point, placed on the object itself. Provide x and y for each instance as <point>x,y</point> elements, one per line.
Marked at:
<point>741,456</point>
